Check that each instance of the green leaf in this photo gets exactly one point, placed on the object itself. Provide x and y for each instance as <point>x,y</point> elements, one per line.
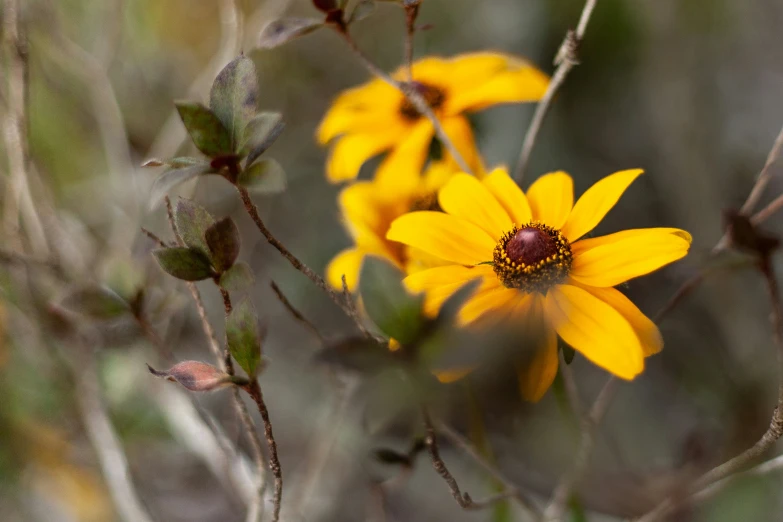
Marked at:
<point>238,278</point>
<point>260,133</point>
<point>223,243</point>
<point>263,177</point>
<point>97,302</point>
<point>244,337</point>
<point>234,97</point>
<point>173,177</point>
<point>396,312</point>
<point>278,32</point>
<point>362,10</point>
<point>192,221</point>
<point>358,354</point>
<point>184,263</point>
<point>205,129</point>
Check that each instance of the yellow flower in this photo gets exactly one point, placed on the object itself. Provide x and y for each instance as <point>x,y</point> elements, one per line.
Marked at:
<point>528,252</point>
<point>369,207</point>
<point>375,117</point>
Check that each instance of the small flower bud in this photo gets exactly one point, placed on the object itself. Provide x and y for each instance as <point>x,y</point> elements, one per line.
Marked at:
<point>195,376</point>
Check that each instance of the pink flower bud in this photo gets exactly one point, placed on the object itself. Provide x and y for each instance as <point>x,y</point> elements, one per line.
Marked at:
<point>195,376</point>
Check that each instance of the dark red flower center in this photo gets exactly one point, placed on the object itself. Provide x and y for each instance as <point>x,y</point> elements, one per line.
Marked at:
<point>532,257</point>
<point>530,245</point>
<point>434,96</point>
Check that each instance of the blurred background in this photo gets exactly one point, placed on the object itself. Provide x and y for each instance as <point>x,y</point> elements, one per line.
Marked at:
<point>689,90</point>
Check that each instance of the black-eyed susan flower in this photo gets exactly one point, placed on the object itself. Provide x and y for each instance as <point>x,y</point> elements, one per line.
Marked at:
<point>375,117</point>
<point>368,209</point>
<point>529,253</point>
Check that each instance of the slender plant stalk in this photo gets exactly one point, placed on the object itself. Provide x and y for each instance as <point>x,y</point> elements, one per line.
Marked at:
<point>345,303</point>
<point>411,13</point>
<point>512,490</point>
<point>566,59</point>
<point>462,497</point>
<point>295,312</point>
<point>775,429</point>
<point>254,390</point>
<point>255,512</point>
<point>555,510</point>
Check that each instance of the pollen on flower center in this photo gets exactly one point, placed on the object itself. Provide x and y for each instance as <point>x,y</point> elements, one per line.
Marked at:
<point>434,96</point>
<point>532,257</point>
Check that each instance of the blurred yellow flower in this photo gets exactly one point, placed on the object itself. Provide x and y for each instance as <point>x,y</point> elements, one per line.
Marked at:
<point>375,117</point>
<point>368,209</point>
<point>528,252</point>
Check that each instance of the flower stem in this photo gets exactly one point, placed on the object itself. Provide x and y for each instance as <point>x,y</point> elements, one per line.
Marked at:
<point>338,298</point>
<point>566,59</point>
<point>254,390</point>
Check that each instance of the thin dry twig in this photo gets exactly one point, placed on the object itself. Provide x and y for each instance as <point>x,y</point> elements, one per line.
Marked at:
<point>510,490</point>
<point>107,445</point>
<point>294,311</point>
<point>255,512</point>
<point>408,89</point>
<point>462,497</point>
<point>411,13</point>
<point>768,439</point>
<point>337,297</point>
<point>566,59</point>
<point>19,198</point>
<point>254,390</point>
<point>555,510</point>
<point>757,191</point>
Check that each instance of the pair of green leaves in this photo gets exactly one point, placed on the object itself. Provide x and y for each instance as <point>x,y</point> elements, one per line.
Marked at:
<point>210,250</point>
<point>230,132</point>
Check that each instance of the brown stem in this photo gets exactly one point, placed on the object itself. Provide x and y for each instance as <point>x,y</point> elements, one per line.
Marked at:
<point>254,390</point>
<point>154,238</point>
<point>293,311</point>
<point>411,13</point>
<point>510,490</point>
<point>227,365</point>
<point>463,498</point>
<point>566,60</point>
<point>336,297</point>
<point>775,429</point>
<point>555,510</point>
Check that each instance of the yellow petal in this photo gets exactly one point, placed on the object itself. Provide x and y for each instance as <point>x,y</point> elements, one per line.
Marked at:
<point>453,374</point>
<point>464,196</point>
<point>616,262</point>
<point>551,197</point>
<point>436,296</point>
<point>480,80</point>
<point>399,175</point>
<point>458,130</point>
<point>648,333</point>
<point>596,330</point>
<point>447,237</point>
<point>367,215</point>
<point>369,108</point>
<point>348,262</point>
<point>495,299</point>
<point>508,194</point>
<point>594,204</point>
<point>536,376</point>
<point>446,275</point>
<point>351,151</point>
<point>586,244</point>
